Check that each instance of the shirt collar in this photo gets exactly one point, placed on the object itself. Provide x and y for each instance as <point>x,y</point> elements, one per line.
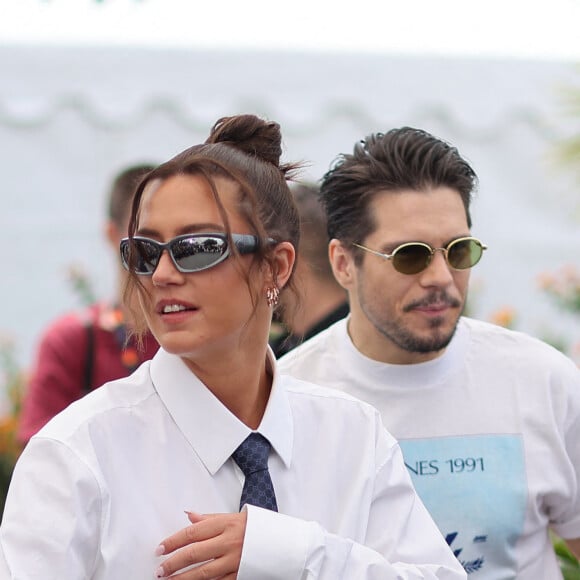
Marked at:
<point>277,424</point>
<point>210,428</point>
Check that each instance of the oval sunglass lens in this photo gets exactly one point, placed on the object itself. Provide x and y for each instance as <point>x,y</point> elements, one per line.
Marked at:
<point>464,254</point>
<point>411,259</point>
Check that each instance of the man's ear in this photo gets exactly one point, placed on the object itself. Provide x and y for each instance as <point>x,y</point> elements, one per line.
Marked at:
<point>342,262</point>
<point>113,234</point>
<point>284,257</point>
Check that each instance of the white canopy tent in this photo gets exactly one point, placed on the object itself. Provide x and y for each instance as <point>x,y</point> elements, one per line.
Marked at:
<point>71,117</point>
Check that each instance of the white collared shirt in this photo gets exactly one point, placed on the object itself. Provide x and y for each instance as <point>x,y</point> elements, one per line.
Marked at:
<point>106,480</point>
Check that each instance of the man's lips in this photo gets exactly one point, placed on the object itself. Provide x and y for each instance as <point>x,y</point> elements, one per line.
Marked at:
<point>432,305</point>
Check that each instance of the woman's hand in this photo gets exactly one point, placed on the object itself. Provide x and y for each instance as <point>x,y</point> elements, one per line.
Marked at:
<point>212,541</point>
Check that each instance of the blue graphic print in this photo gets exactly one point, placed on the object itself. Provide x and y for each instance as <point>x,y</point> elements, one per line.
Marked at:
<point>475,489</point>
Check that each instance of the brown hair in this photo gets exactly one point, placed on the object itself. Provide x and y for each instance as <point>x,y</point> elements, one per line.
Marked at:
<point>246,150</point>
<point>400,159</point>
<point>122,189</point>
<point>314,239</point>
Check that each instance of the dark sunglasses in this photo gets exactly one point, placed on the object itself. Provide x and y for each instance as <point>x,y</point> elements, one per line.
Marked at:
<point>414,257</point>
<point>189,253</point>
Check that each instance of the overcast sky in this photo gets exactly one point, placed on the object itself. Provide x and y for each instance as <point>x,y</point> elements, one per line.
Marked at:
<point>548,29</point>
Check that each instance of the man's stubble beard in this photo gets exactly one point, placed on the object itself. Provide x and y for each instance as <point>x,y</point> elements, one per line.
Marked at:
<point>397,332</point>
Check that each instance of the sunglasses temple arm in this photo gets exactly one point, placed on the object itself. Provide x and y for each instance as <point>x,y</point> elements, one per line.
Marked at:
<point>247,243</point>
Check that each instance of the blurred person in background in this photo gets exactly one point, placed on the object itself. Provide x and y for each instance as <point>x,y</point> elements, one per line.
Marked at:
<point>488,419</point>
<point>83,349</point>
<point>323,300</point>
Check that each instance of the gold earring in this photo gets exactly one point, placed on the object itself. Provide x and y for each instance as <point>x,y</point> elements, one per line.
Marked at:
<point>272,295</point>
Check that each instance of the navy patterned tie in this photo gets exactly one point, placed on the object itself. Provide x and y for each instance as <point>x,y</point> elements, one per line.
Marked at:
<point>252,458</point>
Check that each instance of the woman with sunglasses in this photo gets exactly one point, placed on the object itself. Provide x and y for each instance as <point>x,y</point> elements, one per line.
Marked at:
<point>206,463</point>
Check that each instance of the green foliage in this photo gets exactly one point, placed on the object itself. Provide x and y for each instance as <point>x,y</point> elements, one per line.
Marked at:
<point>568,562</point>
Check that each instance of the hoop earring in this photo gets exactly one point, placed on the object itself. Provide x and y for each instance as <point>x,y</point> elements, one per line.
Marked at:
<point>272,296</point>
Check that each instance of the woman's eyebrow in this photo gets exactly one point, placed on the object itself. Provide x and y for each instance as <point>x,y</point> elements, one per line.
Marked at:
<point>186,229</point>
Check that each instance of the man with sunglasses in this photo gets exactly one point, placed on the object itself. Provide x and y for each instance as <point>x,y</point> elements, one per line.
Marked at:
<point>488,419</point>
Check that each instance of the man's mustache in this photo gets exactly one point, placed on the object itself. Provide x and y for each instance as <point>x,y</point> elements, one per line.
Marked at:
<point>437,298</point>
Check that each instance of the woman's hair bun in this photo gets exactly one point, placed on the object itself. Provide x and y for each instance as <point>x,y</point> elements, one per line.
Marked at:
<point>249,134</point>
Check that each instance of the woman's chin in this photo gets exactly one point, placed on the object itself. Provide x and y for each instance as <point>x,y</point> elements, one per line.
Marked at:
<point>178,343</point>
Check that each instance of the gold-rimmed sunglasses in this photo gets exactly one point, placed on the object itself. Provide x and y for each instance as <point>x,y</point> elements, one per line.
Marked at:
<point>414,257</point>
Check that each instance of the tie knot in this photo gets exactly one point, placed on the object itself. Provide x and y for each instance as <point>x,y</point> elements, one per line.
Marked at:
<point>252,454</point>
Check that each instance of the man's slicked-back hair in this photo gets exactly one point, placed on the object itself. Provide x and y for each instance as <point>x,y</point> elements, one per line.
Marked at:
<point>401,159</point>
